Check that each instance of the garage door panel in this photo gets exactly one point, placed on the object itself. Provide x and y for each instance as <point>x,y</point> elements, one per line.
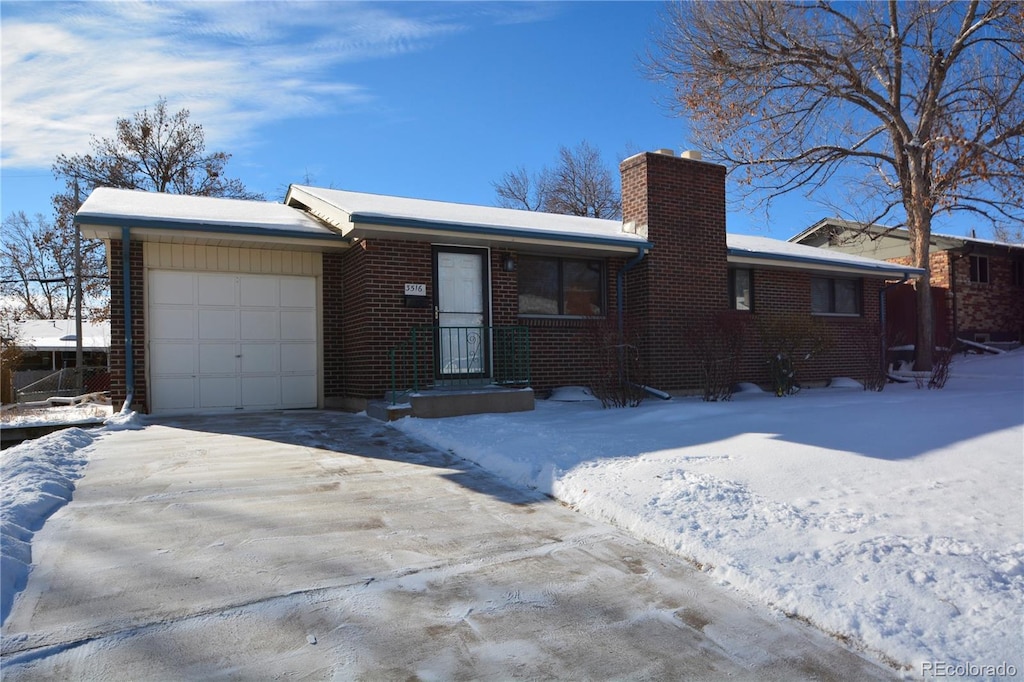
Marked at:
<point>171,358</point>
<point>298,325</point>
<point>261,391</point>
<point>218,392</point>
<point>260,358</point>
<point>217,290</point>
<point>174,393</point>
<point>298,292</point>
<point>259,291</point>
<point>260,324</point>
<point>218,324</point>
<point>298,391</point>
<point>298,357</point>
<point>172,323</point>
<point>218,358</point>
<point>174,288</point>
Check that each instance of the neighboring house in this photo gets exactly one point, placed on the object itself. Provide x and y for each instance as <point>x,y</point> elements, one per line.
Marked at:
<point>230,304</point>
<point>977,284</point>
<point>52,344</point>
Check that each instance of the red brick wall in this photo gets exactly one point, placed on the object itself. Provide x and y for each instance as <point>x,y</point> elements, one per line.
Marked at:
<point>996,307</point>
<point>564,352</point>
<point>856,348</point>
<point>682,204</point>
<point>367,313</point>
<point>118,377</point>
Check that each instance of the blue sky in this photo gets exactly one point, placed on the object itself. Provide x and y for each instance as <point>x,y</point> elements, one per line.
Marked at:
<point>426,100</point>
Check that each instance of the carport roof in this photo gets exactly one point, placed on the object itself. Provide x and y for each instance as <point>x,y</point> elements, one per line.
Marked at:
<point>107,210</point>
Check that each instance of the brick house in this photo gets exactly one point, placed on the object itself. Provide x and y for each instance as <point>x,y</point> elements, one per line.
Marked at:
<point>977,284</point>
<point>336,298</point>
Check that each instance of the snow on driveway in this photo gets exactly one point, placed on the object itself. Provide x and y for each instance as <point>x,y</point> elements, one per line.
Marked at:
<point>893,519</point>
<point>328,546</point>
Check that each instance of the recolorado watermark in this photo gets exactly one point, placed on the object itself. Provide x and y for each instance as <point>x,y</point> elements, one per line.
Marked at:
<point>946,669</point>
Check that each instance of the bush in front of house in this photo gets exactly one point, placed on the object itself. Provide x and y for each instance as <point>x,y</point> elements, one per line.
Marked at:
<point>789,340</point>
<point>716,343</point>
<point>618,377</point>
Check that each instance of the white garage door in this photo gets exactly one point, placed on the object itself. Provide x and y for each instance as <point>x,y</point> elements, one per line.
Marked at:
<point>227,341</point>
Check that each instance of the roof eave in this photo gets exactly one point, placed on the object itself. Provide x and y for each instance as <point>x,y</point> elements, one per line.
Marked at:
<point>364,225</point>
<point>106,227</point>
<point>793,262</point>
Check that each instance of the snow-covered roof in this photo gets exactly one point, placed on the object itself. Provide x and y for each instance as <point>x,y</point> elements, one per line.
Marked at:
<point>59,335</point>
<point>359,213</point>
<point>956,240</point>
<point>764,250</point>
<point>118,208</point>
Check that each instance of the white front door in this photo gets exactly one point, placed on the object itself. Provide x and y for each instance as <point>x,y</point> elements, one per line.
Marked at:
<point>231,341</point>
<point>460,286</point>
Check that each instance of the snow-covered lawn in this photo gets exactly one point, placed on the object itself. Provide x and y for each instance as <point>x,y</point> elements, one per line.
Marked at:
<point>894,520</point>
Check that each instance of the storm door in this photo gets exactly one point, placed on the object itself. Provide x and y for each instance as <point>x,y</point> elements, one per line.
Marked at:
<point>461,341</point>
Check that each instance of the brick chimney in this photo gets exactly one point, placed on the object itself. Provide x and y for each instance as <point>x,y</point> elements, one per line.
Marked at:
<point>678,204</point>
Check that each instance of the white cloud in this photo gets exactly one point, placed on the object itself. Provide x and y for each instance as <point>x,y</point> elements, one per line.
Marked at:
<point>69,70</point>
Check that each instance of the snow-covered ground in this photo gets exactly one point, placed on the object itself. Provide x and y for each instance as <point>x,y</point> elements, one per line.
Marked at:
<point>894,520</point>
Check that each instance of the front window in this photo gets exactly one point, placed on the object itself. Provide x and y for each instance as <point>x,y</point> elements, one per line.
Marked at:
<point>835,296</point>
<point>560,286</point>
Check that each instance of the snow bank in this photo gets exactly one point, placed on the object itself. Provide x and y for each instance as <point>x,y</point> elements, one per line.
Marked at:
<point>38,478</point>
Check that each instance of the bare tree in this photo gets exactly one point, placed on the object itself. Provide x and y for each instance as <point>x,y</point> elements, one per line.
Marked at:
<point>579,184</point>
<point>922,101</point>
<point>158,152</point>
<point>37,270</point>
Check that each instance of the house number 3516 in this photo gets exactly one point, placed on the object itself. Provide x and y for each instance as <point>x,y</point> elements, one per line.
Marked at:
<point>415,289</point>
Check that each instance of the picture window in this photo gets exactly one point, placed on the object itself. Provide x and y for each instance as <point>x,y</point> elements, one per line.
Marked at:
<point>560,286</point>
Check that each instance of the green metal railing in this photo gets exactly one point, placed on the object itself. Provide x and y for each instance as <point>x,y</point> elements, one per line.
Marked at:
<point>459,356</point>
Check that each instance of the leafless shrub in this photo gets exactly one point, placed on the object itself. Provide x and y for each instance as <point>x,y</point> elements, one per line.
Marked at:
<point>618,376</point>
<point>716,343</point>
<point>789,340</point>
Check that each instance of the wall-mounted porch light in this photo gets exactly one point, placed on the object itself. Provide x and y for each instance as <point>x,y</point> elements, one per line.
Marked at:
<point>509,264</point>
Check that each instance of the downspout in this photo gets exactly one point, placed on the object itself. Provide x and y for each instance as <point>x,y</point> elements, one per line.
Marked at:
<point>129,359</point>
<point>881,321</point>
<point>620,285</point>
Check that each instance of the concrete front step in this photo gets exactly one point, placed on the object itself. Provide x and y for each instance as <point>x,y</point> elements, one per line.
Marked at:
<point>438,403</point>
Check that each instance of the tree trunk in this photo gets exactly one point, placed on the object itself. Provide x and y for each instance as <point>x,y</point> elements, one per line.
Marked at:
<point>924,346</point>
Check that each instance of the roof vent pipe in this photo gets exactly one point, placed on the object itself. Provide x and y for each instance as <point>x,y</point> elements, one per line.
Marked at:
<point>691,154</point>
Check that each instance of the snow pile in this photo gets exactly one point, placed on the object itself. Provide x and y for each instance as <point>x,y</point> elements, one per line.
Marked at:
<point>37,479</point>
<point>61,414</point>
<point>890,519</point>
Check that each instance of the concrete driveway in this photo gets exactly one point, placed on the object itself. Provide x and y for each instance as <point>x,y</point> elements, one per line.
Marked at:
<point>323,545</point>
